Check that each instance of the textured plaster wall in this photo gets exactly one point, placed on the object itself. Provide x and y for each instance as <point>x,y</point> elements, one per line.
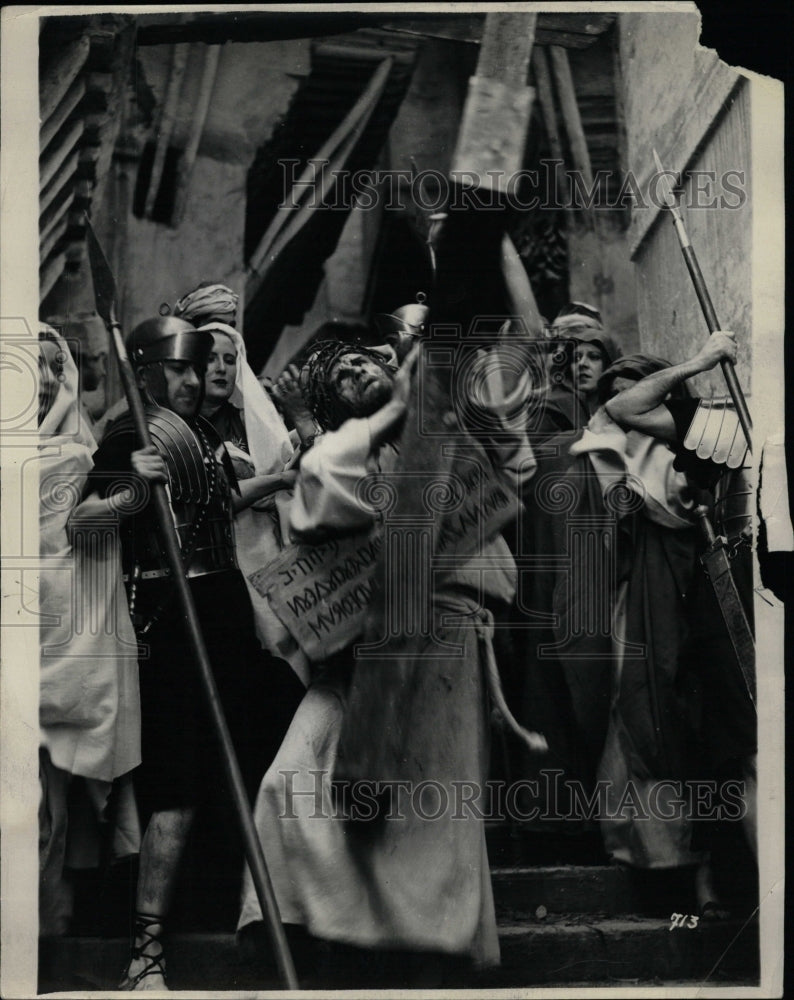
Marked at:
<point>681,100</point>
<point>252,91</point>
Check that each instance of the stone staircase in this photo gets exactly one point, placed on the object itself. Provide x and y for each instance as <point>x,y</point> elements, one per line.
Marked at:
<point>558,925</point>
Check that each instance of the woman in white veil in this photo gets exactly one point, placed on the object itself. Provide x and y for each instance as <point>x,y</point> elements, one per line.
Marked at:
<point>262,452</point>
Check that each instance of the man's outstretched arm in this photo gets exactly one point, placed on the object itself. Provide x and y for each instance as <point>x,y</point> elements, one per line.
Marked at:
<point>641,408</point>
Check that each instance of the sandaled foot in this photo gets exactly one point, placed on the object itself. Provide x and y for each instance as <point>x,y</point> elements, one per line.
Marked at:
<point>146,968</point>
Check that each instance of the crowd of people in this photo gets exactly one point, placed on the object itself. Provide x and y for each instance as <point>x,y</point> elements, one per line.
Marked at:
<point>580,622</point>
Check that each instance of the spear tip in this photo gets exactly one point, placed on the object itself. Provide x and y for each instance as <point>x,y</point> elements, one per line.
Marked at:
<point>657,161</point>
<point>664,180</point>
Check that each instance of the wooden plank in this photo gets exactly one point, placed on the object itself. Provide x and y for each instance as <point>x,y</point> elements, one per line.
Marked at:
<point>63,176</point>
<point>266,26</point>
<point>111,125</point>
<point>570,113</point>
<point>565,39</point>
<point>56,154</point>
<point>574,30</point>
<point>712,93</point>
<point>55,216</point>
<point>546,99</point>
<point>458,29</point>
<point>346,53</point>
<point>495,120</point>
<point>592,25</point>
<point>59,77</point>
<point>48,245</point>
<point>198,120</point>
<point>71,99</point>
<point>49,274</point>
<point>179,59</point>
<point>506,47</point>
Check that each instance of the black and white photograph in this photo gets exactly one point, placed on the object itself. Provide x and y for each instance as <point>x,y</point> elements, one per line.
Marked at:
<point>396,538</point>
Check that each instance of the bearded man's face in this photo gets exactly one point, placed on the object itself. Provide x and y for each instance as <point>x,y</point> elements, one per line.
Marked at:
<point>361,383</point>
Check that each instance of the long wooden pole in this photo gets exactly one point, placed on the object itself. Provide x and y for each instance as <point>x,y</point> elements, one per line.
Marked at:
<point>707,306</point>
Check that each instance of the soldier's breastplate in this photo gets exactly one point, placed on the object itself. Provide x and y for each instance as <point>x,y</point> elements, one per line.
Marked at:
<point>200,502</point>
<point>206,536</point>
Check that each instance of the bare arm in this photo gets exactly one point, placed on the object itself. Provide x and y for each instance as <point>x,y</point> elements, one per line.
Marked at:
<point>146,463</point>
<point>258,487</point>
<point>641,408</point>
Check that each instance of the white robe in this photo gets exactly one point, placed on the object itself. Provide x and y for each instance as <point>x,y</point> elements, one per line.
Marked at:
<point>416,883</point>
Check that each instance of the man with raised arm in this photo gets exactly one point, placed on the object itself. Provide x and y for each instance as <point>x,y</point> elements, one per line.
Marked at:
<point>711,449</point>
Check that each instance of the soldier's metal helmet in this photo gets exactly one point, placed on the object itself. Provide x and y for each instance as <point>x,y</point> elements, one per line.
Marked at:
<point>409,319</point>
<point>403,327</point>
<point>168,338</point>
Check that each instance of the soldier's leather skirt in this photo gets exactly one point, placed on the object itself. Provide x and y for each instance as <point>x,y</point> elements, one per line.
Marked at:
<point>259,693</point>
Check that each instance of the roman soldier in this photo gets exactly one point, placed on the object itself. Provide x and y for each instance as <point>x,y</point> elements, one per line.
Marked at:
<point>181,766</point>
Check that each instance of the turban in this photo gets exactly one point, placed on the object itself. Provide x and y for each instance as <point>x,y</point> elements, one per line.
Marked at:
<point>637,367</point>
<point>584,333</point>
<point>208,303</point>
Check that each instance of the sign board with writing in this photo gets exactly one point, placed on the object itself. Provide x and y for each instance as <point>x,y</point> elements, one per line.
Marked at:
<point>322,593</point>
<point>486,502</point>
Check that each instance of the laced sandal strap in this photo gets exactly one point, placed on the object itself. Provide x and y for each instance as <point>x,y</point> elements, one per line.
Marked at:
<point>155,965</point>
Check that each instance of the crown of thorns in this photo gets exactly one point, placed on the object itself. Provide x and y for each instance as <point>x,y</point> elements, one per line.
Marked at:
<point>318,390</point>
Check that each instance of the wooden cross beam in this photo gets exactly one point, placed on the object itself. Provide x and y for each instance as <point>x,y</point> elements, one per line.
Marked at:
<point>496,116</point>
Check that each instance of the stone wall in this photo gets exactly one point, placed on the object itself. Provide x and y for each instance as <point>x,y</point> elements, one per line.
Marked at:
<point>681,100</point>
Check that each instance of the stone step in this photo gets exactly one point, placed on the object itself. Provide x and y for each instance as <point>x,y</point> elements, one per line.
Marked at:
<point>608,890</point>
<point>563,949</point>
<point>625,951</point>
<point>519,891</point>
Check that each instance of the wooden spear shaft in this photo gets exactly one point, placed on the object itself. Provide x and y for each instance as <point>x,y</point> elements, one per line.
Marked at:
<point>702,292</point>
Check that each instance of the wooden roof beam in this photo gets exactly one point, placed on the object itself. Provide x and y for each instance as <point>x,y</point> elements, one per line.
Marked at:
<point>54,158</point>
<point>569,30</point>
<point>58,78</point>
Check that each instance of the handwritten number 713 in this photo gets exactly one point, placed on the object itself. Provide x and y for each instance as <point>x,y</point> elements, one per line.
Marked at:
<point>680,920</point>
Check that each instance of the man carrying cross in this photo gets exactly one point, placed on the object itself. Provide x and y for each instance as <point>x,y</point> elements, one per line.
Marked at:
<point>402,882</point>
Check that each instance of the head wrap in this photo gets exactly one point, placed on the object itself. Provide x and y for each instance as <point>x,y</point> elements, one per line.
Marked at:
<point>637,367</point>
<point>63,423</point>
<point>587,334</point>
<point>268,438</point>
<point>208,303</point>
<point>579,312</point>
<point>328,409</point>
